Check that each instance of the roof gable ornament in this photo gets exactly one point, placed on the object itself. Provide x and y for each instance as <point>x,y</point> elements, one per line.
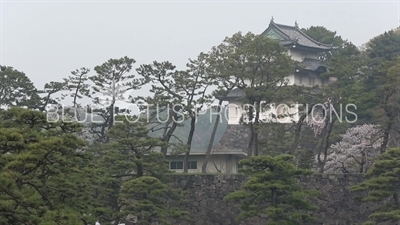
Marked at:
<point>296,24</point>
<point>272,19</point>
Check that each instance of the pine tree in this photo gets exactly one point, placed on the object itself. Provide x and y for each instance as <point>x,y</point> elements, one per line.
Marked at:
<point>261,66</point>
<point>273,189</point>
<point>382,187</point>
<point>130,165</point>
<point>111,82</point>
<point>380,83</point>
<point>163,109</point>
<point>180,94</point>
<point>79,88</point>
<point>16,88</point>
<point>44,171</point>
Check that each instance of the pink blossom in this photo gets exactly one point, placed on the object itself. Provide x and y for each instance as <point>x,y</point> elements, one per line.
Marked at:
<point>357,150</point>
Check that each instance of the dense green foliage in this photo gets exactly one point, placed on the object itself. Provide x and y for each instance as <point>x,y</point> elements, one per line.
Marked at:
<point>16,88</point>
<point>48,176</point>
<point>382,186</point>
<point>45,179</point>
<point>136,175</point>
<point>274,190</point>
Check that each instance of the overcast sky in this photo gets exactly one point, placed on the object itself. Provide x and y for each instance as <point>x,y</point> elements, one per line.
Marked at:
<point>48,39</point>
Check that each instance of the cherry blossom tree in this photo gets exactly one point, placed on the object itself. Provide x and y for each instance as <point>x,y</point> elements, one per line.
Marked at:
<point>317,118</point>
<point>322,122</point>
<point>357,150</point>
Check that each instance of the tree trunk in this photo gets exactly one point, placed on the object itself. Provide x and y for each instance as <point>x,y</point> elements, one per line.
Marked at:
<point>256,129</point>
<point>255,144</point>
<point>211,142</point>
<point>325,144</point>
<point>139,166</point>
<point>110,122</point>
<point>167,137</point>
<point>189,144</point>
<point>386,137</point>
<point>112,114</point>
<point>74,101</point>
<point>363,162</point>
<point>297,132</point>
<point>251,141</point>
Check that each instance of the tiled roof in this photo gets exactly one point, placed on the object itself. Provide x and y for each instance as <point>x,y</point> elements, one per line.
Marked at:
<point>293,35</point>
<point>235,139</point>
<point>312,64</point>
<point>235,93</point>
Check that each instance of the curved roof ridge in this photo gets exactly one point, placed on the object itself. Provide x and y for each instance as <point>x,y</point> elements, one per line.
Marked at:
<point>280,26</point>
<point>311,39</point>
<point>284,25</point>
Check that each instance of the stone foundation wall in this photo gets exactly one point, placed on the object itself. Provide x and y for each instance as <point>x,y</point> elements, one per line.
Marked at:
<point>205,193</point>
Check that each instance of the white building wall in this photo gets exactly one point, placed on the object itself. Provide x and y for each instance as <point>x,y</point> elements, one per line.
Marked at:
<point>296,55</point>
<point>300,56</point>
<point>235,112</point>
